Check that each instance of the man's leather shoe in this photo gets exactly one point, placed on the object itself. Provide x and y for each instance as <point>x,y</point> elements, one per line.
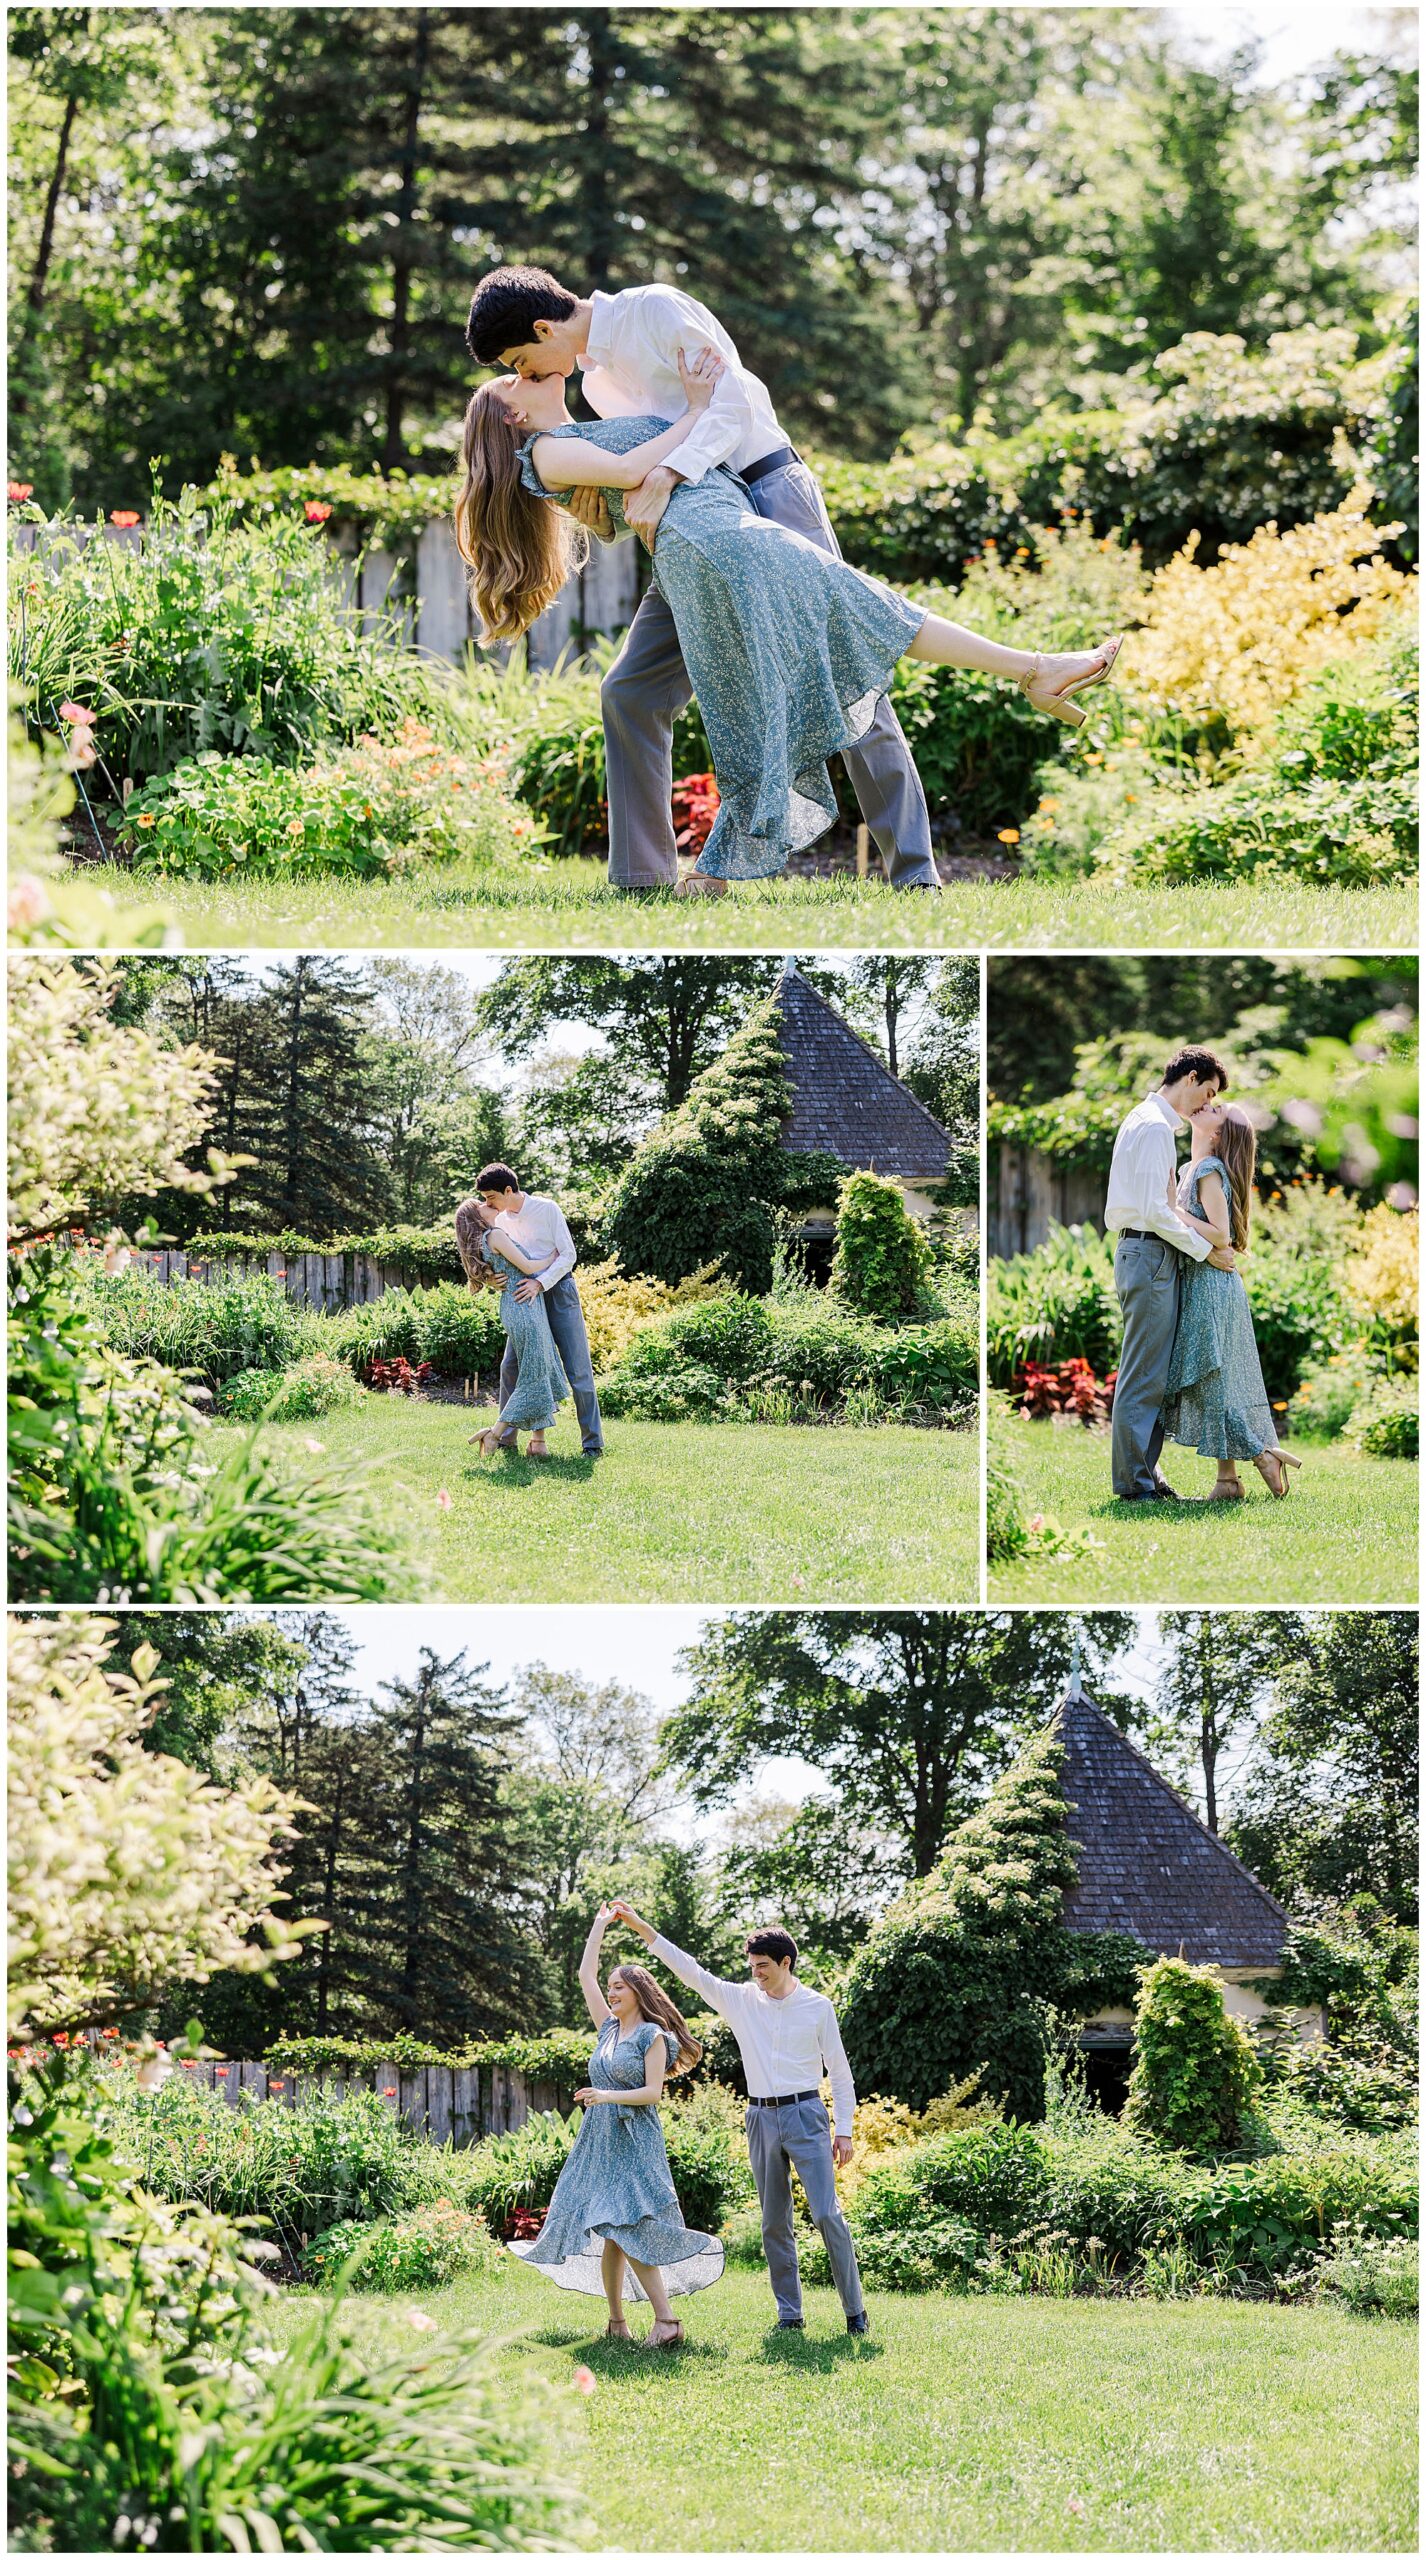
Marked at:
<point>792,2324</point>
<point>1163,1490</point>
<point>857,2324</point>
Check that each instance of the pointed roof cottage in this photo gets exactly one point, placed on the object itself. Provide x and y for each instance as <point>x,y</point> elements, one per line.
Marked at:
<point>1147,1865</point>
<point>845,1102</point>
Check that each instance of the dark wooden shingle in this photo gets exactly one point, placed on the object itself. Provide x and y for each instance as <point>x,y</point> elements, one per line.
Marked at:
<point>1147,1865</point>
<point>845,1102</point>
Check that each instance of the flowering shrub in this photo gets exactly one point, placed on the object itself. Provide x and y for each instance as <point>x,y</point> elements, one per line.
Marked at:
<point>1330,1392</point>
<point>429,2247</point>
<point>302,1393</point>
<point>371,809</point>
<point>1072,1389</point>
<point>1382,1277</point>
<point>618,1304</point>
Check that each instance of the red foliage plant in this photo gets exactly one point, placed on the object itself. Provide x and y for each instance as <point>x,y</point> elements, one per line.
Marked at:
<point>695,806</point>
<point>397,1377</point>
<point>525,2224</point>
<point>1070,1389</point>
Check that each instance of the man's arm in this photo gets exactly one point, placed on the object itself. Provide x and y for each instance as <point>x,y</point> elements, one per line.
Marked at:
<point>839,2072</point>
<point>715,1991</point>
<point>1153,1165</point>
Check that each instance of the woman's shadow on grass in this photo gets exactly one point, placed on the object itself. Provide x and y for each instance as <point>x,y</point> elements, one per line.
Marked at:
<point>508,1473</point>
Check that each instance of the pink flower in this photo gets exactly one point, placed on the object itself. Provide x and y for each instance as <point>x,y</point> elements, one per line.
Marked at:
<point>77,711</point>
<point>27,902</point>
<point>124,515</point>
<point>420,2320</point>
<point>443,1500</point>
<point>17,491</point>
<point>316,512</point>
<point>584,2382</point>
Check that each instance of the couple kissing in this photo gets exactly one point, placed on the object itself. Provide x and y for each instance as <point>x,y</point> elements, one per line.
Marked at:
<point>614,2224</point>
<point>750,607</point>
<point>519,1243</point>
<point>1189,1369</point>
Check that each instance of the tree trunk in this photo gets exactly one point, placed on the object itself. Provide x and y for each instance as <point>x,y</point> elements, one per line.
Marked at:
<point>403,255</point>
<point>39,280</point>
<point>598,206</point>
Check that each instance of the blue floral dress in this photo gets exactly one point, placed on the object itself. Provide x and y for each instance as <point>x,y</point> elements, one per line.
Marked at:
<point>616,2185</point>
<point>1216,1401</point>
<point>789,651</point>
<point>540,1382</point>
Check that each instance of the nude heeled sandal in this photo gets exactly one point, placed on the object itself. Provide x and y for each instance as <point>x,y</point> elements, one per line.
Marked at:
<point>1283,1486</point>
<point>1043,694</point>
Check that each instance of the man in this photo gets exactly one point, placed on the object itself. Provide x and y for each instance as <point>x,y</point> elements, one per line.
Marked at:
<point>788,2037</point>
<point>1139,1212</point>
<point>538,1227</point>
<point>628,345</point>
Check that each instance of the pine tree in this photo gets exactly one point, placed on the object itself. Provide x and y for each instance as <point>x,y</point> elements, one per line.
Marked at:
<point>317,1171</point>
<point>444,1952</point>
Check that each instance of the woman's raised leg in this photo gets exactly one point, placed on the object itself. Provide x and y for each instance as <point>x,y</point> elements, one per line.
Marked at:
<point>1048,678</point>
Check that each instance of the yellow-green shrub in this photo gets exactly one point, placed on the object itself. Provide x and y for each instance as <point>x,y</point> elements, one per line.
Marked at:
<point>1382,1276</point>
<point>1242,637</point>
<point>618,1304</point>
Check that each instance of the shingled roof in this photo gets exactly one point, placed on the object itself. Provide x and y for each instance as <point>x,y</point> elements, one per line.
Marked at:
<point>1147,1865</point>
<point>844,1100</point>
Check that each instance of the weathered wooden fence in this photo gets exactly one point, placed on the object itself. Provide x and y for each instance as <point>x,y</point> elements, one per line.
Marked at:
<point>326,1281</point>
<point>427,590</point>
<point>438,2103</point>
<point>1029,1192</point>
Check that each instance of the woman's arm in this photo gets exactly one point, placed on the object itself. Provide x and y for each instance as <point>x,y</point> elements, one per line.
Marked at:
<point>594,1999</point>
<point>1216,1225</point>
<point>569,462</point>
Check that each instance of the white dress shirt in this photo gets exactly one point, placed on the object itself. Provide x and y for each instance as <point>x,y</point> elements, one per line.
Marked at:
<point>631,366</point>
<point>786,2044</point>
<point>1142,1174</point>
<point>539,1229</point>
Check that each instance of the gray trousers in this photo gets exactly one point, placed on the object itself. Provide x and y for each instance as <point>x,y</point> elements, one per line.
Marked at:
<point>781,2139</point>
<point>1148,1277</point>
<point>566,1317</point>
<point>648,684</point>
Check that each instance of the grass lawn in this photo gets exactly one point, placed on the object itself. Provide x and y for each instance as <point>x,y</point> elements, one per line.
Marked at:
<point>673,1511</point>
<point>1347,1530</point>
<point>962,2423</point>
<point>568,904</point>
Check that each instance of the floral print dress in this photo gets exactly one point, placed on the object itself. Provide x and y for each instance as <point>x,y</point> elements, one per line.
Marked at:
<point>616,2185</point>
<point>789,651</point>
<point>1216,1401</point>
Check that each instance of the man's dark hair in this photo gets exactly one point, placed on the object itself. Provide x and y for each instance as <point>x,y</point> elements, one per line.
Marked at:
<point>1196,1062</point>
<point>505,306</point>
<point>496,1177</point>
<point>775,1943</point>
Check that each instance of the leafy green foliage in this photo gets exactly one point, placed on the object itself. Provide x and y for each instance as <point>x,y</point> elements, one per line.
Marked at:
<point>951,1974</point>
<point>704,1186</point>
<point>741,1358</point>
<point>561,2055</point>
<point>1194,2069</point>
<point>881,1259</point>
<point>300,1394</point>
<point>421,2250</point>
<point>458,1332</point>
<point>211,1328</point>
<point>425,1254</point>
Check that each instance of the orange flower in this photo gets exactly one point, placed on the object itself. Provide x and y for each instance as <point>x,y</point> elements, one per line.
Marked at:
<point>124,516</point>
<point>1008,835</point>
<point>147,820</point>
<point>316,512</point>
<point>17,491</point>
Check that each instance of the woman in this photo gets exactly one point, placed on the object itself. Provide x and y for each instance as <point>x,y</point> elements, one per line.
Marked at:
<point>614,2219</point>
<point>541,1386</point>
<point>1216,1401</point>
<point>789,649</point>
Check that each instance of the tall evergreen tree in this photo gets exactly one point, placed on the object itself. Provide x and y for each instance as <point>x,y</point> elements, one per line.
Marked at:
<point>317,1170</point>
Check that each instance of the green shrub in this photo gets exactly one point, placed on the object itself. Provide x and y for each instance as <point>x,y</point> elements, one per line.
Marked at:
<point>881,1261</point>
<point>1055,1303</point>
<point>111,1496</point>
<point>518,2170</point>
<point>424,1254</point>
<point>457,1329</point>
<point>733,1358</point>
<point>1194,2070</point>
<point>560,2054</point>
<point>302,1393</point>
<point>991,2178</point>
<point>1376,2279</point>
<point>368,811</point>
<point>1272,2215</point>
<point>303,2167</point>
<point>1329,1392</point>
<point>707,2154</point>
<point>150,2410</point>
<point>430,2247</point>
<point>212,1329</point>
<point>1388,1426</point>
<point>209,636</point>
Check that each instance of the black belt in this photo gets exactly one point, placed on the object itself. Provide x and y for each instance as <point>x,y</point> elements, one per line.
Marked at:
<point>1143,1235</point>
<point>759,470</point>
<point>799,2098</point>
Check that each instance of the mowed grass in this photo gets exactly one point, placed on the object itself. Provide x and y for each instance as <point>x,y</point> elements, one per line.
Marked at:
<point>673,1511</point>
<point>1347,1530</point>
<point>569,905</point>
<point>959,2423</point>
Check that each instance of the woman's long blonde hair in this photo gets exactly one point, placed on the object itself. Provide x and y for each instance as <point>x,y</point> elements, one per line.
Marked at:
<point>656,2006</point>
<point>519,548</point>
<point>1237,1144</point>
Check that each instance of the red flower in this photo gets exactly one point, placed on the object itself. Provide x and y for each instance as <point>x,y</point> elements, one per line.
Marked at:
<point>124,515</point>
<point>186,2062</point>
<point>277,2084</point>
<point>222,2071</point>
<point>388,2093</point>
<point>17,491</point>
<point>316,511</point>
